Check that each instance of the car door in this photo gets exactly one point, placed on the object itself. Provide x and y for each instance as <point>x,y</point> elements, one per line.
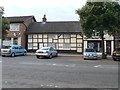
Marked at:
<point>16,50</point>
<point>20,50</point>
<point>53,51</point>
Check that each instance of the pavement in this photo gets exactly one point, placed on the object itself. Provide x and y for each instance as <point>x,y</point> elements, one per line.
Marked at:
<point>109,57</point>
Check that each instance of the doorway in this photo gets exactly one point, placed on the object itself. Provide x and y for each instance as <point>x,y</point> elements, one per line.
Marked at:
<point>40,45</point>
<point>108,47</point>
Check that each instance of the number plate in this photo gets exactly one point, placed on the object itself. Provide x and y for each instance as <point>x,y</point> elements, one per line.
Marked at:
<point>4,51</point>
<point>117,54</point>
<point>40,52</point>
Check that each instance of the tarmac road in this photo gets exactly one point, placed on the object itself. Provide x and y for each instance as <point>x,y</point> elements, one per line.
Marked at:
<point>58,72</point>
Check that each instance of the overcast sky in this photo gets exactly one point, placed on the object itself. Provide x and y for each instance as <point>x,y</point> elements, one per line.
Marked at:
<point>55,10</point>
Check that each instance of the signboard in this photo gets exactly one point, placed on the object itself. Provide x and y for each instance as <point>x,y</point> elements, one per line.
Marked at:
<point>117,37</point>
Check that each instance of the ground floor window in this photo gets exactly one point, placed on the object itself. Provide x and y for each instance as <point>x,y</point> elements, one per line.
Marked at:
<point>57,41</point>
<point>96,45</point>
<point>117,43</point>
<point>7,38</point>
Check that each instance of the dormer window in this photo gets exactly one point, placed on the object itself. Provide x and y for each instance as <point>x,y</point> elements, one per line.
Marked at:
<point>14,27</point>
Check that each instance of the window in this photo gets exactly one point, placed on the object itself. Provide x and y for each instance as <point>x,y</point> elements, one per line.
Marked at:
<point>51,49</point>
<point>30,45</point>
<point>16,47</point>
<point>30,36</point>
<point>65,45</point>
<point>89,50</point>
<point>34,35</point>
<point>20,47</point>
<point>6,47</point>
<point>51,45</point>
<point>7,38</point>
<point>50,36</point>
<point>53,36</point>
<point>14,27</point>
<point>97,45</point>
<point>66,36</point>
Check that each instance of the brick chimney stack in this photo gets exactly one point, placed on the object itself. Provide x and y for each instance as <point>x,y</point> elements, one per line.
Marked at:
<point>44,18</point>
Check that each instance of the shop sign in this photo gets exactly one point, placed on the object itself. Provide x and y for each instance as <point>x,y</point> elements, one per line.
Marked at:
<point>117,37</point>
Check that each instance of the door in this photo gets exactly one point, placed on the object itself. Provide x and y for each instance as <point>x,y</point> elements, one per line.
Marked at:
<point>15,41</point>
<point>40,45</point>
<point>108,47</point>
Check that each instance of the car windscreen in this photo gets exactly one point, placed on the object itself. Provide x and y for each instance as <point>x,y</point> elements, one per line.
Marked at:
<point>6,47</point>
<point>45,48</point>
<point>117,49</point>
<point>89,50</point>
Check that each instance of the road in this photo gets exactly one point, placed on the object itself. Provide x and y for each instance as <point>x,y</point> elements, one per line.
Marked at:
<point>58,72</point>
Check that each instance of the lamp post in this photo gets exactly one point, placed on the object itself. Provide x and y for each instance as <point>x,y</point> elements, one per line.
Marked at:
<point>1,13</point>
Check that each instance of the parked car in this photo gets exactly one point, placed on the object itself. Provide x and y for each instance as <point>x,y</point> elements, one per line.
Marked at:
<point>116,54</point>
<point>90,53</point>
<point>13,50</point>
<point>46,52</point>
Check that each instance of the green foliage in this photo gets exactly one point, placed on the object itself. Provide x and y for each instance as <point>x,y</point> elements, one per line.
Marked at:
<point>5,26</point>
<point>101,17</point>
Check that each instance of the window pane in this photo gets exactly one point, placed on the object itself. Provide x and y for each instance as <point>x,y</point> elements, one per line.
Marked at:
<point>14,27</point>
<point>35,36</point>
<point>66,36</point>
<point>30,36</point>
<point>30,45</point>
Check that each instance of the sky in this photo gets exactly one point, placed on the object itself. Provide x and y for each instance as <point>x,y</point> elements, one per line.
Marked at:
<point>55,10</point>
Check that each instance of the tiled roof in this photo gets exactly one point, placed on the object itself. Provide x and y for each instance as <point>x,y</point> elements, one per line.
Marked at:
<point>54,27</point>
<point>20,19</point>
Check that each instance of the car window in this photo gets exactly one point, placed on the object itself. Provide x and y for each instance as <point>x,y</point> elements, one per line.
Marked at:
<point>20,47</point>
<point>13,47</point>
<point>6,47</point>
<point>51,49</point>
<point>45,48</point>
<point>16,47</point>
<point>89,50</point>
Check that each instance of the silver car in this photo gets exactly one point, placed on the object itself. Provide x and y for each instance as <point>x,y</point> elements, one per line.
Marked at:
<point>90,53</point>
<point>46,52</point>
<point>13,50</point>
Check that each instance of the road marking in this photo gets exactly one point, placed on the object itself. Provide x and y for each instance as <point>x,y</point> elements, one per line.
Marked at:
<point>97,66</point>
<point>54,64</point>
<point>100,66</point>
<point>49,85</point>
<point>50,64</point>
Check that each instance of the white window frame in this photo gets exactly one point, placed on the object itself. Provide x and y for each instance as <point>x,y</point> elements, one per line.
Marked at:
<point>14,27</point>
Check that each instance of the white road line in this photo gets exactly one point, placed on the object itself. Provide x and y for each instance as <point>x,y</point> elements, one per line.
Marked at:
<point>99,66</point>
<point>54,64</point>
<point>60,65</point>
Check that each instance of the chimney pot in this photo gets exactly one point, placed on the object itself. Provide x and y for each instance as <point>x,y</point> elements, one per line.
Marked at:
<point>44,18</point>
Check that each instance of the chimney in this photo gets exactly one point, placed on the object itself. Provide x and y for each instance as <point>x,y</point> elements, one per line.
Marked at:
<point>44,19</point>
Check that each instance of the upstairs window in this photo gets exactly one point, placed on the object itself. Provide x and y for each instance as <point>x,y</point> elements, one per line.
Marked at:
<point>14,27</point>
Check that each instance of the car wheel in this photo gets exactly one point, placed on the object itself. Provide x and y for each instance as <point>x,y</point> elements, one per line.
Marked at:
<point>38,56</point>
<point>13,55</point>
<point>50,56</point>
<point>3,55</point>
<point>56,55</point>
<point>24,54</point>
<point>114,59</point>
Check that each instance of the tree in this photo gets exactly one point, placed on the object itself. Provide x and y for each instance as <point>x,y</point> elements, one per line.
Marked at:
<point>102,17</point>
<point>5,26</point>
